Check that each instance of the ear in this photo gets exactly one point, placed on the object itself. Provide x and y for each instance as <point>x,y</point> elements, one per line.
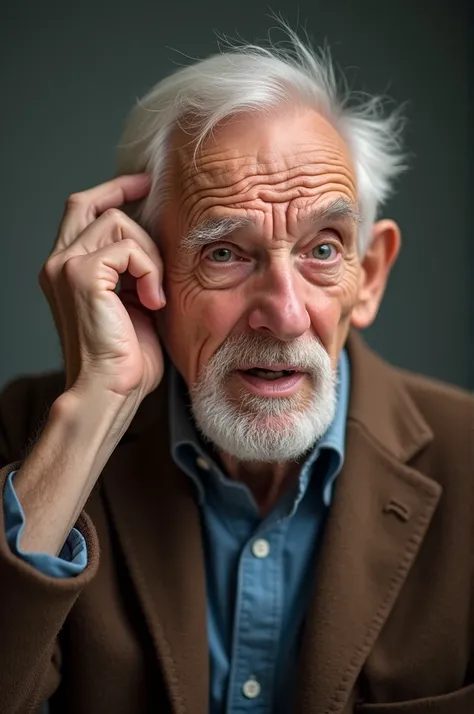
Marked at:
<point>375,269</point>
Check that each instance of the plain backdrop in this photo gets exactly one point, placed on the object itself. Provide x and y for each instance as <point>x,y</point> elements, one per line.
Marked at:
<point>71,72</point>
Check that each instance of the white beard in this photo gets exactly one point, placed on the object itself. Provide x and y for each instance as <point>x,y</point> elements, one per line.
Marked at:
<point>265,429</point>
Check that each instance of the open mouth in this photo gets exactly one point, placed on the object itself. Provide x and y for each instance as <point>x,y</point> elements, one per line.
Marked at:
<point>270,374</point>
<point>266,381</point>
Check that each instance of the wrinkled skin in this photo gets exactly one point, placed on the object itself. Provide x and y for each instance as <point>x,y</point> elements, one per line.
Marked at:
<point>278,280</point>
<point>274,171</point>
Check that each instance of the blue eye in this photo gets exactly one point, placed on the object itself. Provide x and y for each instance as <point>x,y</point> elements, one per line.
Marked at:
<point>323,251</point>
<point>221,255</point>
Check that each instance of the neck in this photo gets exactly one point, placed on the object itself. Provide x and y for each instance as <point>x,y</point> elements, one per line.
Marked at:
<point>267,482</point>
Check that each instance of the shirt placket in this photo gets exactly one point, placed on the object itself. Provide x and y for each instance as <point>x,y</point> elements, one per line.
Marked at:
<point>257,621</point>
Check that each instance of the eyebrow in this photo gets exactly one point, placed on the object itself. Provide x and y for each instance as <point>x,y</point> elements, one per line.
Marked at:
<point>214,229</point>
<point>211,231</point>
<point>339,209</point>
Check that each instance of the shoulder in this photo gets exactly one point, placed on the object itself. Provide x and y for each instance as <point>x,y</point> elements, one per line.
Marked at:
<point>448,457</point>
<point>445,407</point>
<point>405,411</point>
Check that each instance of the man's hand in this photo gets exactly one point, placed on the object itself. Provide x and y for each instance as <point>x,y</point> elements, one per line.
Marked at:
<point>111,351</point>
<point>108,341</point>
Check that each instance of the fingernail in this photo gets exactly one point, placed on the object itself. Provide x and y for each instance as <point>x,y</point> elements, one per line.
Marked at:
<point>162,296</point>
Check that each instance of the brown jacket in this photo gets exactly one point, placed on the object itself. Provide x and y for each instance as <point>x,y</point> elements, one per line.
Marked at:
<point>390,626</point>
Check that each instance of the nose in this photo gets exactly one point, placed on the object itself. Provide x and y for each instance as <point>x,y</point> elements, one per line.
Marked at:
<point>279,307</point>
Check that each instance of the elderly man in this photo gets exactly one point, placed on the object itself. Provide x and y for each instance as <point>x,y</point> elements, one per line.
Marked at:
<point>227,503</point>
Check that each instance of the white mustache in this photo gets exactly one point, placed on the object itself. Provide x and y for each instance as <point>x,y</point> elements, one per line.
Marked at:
<point>305,355</point>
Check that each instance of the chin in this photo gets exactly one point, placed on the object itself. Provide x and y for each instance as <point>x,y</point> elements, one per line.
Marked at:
<point>268,432</point>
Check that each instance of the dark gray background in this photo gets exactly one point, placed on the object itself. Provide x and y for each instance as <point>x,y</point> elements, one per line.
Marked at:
<point>71,71</point>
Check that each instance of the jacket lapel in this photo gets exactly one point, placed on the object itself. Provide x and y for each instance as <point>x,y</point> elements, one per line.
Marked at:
<point>158,527</point>
<point>380,513</point>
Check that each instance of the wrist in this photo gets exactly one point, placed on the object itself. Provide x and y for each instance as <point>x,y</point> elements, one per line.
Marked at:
<point>94,416</point>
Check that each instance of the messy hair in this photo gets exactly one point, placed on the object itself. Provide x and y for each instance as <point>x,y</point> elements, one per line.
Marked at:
<point>249,79</point>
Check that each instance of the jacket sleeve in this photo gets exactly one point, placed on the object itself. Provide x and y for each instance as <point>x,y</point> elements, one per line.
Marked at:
<point>33,605</point>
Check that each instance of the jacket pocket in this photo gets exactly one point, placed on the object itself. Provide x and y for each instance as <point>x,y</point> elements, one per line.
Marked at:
<point>459,702</point>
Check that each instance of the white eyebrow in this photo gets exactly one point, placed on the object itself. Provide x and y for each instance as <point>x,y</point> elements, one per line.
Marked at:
<point>214,229</point>
<point>339,209</point>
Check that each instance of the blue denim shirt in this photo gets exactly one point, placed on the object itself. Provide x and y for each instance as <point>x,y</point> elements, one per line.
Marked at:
<point>260,571</point>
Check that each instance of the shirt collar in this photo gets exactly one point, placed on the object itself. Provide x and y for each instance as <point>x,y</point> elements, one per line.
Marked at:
<point>187,447</point>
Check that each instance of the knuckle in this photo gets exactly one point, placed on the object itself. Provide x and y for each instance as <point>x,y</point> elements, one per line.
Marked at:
<point>130,244</point>
<point>74,200</point>
<point>48,271</point>
<point>113,214</point>
<point>70,267</point>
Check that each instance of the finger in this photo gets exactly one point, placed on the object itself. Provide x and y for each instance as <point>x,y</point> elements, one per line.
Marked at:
<point>129,289</point>
<point>111,227</point>
<point>148,280</point>
<point>132,290</point>
<point>83,208</point>
<point>105,266</point>
<point>114,226</point>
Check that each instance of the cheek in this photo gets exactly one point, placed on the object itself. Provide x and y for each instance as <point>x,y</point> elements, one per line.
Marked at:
<point>325,312</point>
<point>195,322</point>
<point>349,289</point>
<point>331,308</point>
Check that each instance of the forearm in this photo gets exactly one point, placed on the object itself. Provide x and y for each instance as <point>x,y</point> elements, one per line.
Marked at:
<point>56,479</point>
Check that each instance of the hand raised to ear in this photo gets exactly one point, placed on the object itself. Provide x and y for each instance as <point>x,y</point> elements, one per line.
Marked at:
<point>108,338</point>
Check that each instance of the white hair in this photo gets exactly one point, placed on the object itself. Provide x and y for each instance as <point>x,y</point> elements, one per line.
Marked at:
<point>251,79</point>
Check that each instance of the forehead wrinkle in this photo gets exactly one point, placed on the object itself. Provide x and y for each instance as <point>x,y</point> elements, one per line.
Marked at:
<point>229,170</point>
<point>343,208</point>
<point>307,174</point>
<point>225,176</point>
<point>252,190</point>
<point>215,154</point>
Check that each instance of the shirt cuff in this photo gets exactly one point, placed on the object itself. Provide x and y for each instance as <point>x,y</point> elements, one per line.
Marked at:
<point>73,556</point>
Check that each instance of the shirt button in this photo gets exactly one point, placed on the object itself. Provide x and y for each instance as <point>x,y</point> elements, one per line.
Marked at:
<point>251,688</point>
<point>202,463</point>
<point>261,548</point>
